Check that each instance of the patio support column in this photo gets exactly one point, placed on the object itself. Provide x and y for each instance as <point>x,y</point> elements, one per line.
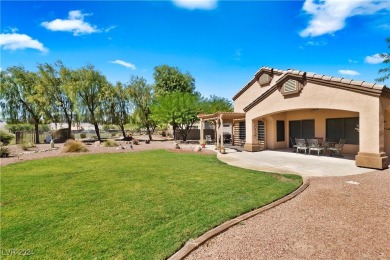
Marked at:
<point>217,133</point>
<point>201,131</point>
<point>221,133</point>
<point>251,143</point>
<point>371,139</point>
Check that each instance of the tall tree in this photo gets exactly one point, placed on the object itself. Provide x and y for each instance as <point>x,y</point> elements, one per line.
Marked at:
<point>386,61</point>
<point>91,89</point>
<point>142,96</point>
<point>57,86</point>
<point>216,104</point>
<point>20,98</point>
<point>119,106</point>
<point>169,79</point>
<point>177,109</point>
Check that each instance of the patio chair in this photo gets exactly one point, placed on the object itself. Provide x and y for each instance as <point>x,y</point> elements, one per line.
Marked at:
<point>314,145</point>
<point>208,139</point>
<point>338,148</point>
<point>301,145</point>
<point>293,145</point>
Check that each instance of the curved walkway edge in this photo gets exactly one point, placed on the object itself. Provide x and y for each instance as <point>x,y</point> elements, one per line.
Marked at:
<point>194,244</point>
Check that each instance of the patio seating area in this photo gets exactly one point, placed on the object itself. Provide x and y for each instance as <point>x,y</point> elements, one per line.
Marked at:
<point>317,144</point>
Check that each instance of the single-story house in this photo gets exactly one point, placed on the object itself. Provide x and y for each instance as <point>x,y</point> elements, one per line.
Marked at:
<point>277,106</point>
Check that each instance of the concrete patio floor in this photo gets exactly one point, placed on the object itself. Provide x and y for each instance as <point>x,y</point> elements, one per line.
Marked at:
<point>286,161</point>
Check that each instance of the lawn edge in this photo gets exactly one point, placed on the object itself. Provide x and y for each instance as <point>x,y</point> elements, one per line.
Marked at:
<point>194,244</point>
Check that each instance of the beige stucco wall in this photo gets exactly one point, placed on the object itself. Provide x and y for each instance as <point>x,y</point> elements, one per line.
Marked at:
<point>254,91</point>
<point>386,107</point>
<point>321,97</point>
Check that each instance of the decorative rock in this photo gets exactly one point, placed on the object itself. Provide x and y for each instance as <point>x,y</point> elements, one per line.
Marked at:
<point>198,148</point>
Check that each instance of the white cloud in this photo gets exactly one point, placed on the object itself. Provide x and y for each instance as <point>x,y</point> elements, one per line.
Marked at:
<point>374,59</point>
<point>351,61</point>
<point>75,23</point>
<point>349,72</point>
<point>329,16</point>
<point>125,64</point>
<point>196,4</point>
<point>110,28</point>
<point>15,41</point>
<point>314,43</point>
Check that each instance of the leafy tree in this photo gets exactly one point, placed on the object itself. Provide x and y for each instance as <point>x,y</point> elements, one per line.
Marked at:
<point>142,96</point>
<point>169,79</point>
<point>57,86</point>
<point>91,89</point>
<point>177,109</point>
<point>119,106</point>
<point>386,61</point>
<point>20,98</point>
<point>215,104</point>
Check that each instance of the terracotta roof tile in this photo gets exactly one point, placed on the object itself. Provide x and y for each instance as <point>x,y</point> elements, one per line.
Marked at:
<point>356,82</point>
<point>318,76</point>
<point>378,86</point>
<point>367,84</point>
<point>347,81</point>
<point>310,75</point>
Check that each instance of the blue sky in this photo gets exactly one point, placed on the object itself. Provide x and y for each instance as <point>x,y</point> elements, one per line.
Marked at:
<point>221,43</point>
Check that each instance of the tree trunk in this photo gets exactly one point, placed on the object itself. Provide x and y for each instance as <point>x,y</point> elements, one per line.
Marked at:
<point>122,127</point>
<point>69,132</point>
<point>149,132</point>
<point>36,132</point>
<point>97,131</point>
<point>174,131</point>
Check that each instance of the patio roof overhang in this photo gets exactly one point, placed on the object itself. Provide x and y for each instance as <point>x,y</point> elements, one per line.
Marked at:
<point>226,116</point>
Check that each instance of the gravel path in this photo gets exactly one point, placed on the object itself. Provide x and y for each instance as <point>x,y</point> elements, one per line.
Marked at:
<point>44,151</point>
<point>334,218</point>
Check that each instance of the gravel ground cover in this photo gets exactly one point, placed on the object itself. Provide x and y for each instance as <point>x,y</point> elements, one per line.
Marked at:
<point>334,218</point>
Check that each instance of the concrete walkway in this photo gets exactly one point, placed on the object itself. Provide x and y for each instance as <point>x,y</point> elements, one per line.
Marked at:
<point>286,161</point>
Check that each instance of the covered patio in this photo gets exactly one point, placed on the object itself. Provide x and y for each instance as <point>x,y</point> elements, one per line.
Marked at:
<point>218,119</point>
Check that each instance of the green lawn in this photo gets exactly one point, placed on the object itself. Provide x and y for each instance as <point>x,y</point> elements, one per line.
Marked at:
<point>142,205</point>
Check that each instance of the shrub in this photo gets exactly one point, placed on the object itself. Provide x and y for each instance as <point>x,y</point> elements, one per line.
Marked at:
<point>135,141</point>
<point>4,151</point>
<point>27,145</point>
<point>163,134</point>
<point>83,135</point>
<point>6,138</point>
<point>73,146</point>
<point>110,143</point>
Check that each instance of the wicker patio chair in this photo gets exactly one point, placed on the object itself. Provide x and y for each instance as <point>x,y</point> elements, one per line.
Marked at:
<point>301,145</point>
<point>338,148</point>
<point>314,145</point>
<point>208,139</point>
<point>293,144</point>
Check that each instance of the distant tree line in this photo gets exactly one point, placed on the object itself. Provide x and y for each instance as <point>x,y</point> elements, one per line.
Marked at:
<point>56,93</point>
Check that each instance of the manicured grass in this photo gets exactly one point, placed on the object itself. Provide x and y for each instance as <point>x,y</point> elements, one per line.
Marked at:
<point>142,205</point>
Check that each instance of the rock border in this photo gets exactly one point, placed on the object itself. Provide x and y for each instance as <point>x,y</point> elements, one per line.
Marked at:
<point>194,244</point>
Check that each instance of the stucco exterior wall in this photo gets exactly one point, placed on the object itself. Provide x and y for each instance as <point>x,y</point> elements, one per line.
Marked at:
<point>254,91</point>
<point>386,106</point>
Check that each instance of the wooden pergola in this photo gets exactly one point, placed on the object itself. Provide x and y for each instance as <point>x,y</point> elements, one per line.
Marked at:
<point>218,119</point>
